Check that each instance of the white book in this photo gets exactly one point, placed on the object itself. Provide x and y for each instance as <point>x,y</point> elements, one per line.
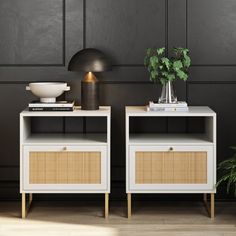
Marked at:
<point>54,104</point>
<point>165,105</point>
<point>171,109</point>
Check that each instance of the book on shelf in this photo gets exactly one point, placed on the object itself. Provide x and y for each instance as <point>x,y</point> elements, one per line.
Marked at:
<point>51,108</point>
<point>179,104</point>
<point>56,106</point>
<point>172,109</point>
<point>53,104</point>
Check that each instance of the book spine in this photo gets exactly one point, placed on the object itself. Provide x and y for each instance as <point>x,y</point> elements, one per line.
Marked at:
<point>50,105</point>
<point>51,108</point>
<point>176,104</point>
<point>168,105</point>
<point>183,109</point>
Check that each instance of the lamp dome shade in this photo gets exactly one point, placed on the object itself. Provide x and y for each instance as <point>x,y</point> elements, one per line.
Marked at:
<point>89,59</point>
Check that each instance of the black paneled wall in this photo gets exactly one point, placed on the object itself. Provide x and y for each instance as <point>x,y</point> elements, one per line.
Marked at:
<point>39,37</point>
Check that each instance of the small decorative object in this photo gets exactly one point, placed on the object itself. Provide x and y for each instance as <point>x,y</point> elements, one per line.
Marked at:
<point>167,69</point>
<point>228,169</point>
<point>89,60</point>
<point>48,91</point>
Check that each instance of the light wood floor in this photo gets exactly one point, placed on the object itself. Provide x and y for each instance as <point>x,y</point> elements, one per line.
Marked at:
<point>86,219</point>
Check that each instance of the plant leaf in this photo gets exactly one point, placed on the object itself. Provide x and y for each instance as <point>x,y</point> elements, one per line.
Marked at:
<point>149,68</point>
<point>228,167</point>
<point>166,62</point>
<point>146,60</point>
<point>186,61</point>
<point>223,179</point>
<point>170,77</point>
<point>182,75</point>
<point>160,51</point>
<point>163,81</point>
<point>177,65</point>
<point>154,75</point>
<point>149,50</point>
<point>164,74</point>
<point>154,62</point>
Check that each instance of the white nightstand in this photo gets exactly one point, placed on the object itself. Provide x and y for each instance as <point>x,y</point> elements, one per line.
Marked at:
<point>64,162</point>
<point>171,163</point>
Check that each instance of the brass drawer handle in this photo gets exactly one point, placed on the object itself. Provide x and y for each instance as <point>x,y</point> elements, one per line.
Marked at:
<point>171,149</point>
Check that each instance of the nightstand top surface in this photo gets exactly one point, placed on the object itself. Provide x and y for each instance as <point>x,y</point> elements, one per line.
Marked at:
<point>193,111</point>
<point>103,111</point>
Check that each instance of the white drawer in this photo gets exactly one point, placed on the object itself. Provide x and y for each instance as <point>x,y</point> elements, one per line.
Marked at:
<point>170,168</point>
<point>69,168</point>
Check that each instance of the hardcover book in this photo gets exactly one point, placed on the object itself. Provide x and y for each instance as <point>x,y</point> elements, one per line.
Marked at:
<point>51,108</point>
<point>180,106</point>
<point>175,105</point>
<point>54,104</point>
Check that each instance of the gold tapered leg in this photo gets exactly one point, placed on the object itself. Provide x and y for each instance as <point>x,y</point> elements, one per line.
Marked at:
<point>206,204</point>
<point>30,198</point>
<point>129,205</point>
<point>210,209</point>
<point>23,205</point>
<point>106,205</point>
<point>212,205</point>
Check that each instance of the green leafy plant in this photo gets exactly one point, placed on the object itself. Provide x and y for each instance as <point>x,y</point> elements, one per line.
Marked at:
<point>167,69</point>
<point>228,171</point>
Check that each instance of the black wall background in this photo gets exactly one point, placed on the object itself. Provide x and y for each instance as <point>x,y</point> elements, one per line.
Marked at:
<point>39,37</point>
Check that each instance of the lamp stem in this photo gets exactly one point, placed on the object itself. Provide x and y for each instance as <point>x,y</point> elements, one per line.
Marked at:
<point>89,92</point>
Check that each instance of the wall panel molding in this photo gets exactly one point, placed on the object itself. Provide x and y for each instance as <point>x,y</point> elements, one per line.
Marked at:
<point>212,73</point>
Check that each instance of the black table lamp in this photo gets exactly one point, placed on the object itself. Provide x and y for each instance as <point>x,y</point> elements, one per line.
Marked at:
<point>89,60</point>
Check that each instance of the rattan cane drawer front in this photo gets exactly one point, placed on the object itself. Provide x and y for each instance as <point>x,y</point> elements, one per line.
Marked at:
<point>65,167</point>
<point>170,167</point>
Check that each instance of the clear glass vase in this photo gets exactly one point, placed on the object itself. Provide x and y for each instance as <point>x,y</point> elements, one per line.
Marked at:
<point>167,93</point>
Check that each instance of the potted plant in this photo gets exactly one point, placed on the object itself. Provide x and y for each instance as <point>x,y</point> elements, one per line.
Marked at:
<point>166,70</point>
<point>228,173</point>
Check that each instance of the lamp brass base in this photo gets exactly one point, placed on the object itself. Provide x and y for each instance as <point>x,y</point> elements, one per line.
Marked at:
<point>89,93</point>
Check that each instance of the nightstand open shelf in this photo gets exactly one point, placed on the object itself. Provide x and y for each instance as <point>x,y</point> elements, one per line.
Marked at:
<point>182,161</point>
<point>75,139</point>
<point>73,159</point>
<point>169,139</point>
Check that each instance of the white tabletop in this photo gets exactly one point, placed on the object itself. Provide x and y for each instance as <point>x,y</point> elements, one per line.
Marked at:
<point>193,111</point>
<point>103,111</point>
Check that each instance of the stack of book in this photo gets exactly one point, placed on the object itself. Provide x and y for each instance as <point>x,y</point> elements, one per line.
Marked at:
<point>55,106</point>
<point>178,106</point>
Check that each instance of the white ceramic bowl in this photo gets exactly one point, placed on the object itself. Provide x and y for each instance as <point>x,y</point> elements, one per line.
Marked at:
<point>47,91</point>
